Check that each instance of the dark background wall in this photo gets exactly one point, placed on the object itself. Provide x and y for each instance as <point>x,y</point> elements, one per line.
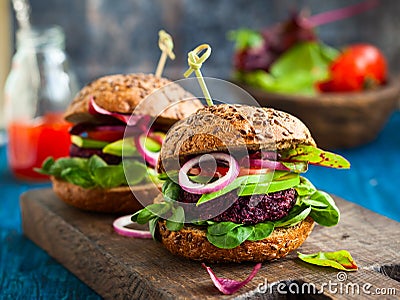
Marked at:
<point>105,36</point>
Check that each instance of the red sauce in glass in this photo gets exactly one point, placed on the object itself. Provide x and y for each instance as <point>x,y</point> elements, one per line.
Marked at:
<point>30,143</point>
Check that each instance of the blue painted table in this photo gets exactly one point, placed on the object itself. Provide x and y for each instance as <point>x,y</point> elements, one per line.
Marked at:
<point>27,272</point>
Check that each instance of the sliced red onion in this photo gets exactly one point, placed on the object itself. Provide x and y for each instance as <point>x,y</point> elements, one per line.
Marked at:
<point>263,154</point>
<point>130,120</point>
<point>230,286</point>
<point>198,188</point>
<point>150,157</point>
<point>119,227</point>
<point>267,164</point>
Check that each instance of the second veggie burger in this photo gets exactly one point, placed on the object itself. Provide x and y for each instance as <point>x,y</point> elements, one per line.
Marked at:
<point>104,112</point>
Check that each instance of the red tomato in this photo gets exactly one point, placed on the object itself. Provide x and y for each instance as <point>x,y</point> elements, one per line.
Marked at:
<point>253,171</point>
<point>221,171</point>
<point>359,67</point>
<point>106,135</point>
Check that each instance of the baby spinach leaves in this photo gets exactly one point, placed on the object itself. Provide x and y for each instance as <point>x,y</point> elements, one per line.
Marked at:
<point>93,172</point>
<point>341,260</point>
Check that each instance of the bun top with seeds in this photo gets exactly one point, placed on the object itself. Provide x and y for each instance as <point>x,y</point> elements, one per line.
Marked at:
<point>122,93</point>
<point>226,126</point>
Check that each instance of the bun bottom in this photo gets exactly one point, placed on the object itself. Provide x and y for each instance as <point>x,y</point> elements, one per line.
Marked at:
<point>118,200</point>
<point>191,242</point>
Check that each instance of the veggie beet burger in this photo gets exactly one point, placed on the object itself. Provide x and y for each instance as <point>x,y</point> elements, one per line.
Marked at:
<point>110,124</point>
<point>233,189</point>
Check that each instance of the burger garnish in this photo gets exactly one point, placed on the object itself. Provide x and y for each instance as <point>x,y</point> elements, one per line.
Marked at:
<point>260,197</point>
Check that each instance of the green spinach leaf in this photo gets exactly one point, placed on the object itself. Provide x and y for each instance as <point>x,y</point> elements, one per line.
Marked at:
<point>109,176</point>
<point>221,228</point>
<point>327,216</point>
<point>341,260</point>
<point>176,221</point>
<point>232,238</point>
<point>245,38</point>
<point>261,231</point>
<point>315,156</point>
<point>295,216</point>
<point>78,177</point>
<point>170,190</point>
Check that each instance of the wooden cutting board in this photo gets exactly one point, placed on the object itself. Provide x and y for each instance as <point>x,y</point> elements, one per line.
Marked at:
<point>118,267</point>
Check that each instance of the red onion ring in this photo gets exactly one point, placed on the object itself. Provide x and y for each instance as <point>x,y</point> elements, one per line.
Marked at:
<point>119,227</point>
<point>130,120</point>
<point>267,164</point>
<point>150,157</point>
<point>198,188</point>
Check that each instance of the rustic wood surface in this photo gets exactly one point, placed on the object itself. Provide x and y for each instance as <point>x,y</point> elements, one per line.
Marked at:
<point>117,267</point>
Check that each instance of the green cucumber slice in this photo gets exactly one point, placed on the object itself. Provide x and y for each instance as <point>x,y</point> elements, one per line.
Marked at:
<point>87,143</point>
<point>271,187</point>
<point>125,146</point>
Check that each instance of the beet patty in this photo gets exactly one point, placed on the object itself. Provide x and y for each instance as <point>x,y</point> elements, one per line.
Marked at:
<point>246,209</point>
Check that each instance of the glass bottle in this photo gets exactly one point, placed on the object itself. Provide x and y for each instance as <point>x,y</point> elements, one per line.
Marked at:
<point>37,91</point>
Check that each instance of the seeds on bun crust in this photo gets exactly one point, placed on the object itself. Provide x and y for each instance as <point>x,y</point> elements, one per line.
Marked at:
<point>118,200</point>
<point>122,93</point>
<point>222,127</point>
<point>191,242</point>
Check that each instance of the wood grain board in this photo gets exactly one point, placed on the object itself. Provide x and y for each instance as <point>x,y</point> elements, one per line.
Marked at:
<point>118,267</point>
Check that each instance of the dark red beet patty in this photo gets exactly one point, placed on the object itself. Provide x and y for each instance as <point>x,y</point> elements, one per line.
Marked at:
<point>246,209</point>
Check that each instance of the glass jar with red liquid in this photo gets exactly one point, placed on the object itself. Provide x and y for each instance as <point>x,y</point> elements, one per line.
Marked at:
<point>38,89</point>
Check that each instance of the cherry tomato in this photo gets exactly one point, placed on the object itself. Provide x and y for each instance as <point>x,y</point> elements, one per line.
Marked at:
<point>359,67</point>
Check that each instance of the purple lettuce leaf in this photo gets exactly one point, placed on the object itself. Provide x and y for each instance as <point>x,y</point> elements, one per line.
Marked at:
<point>230,286</point>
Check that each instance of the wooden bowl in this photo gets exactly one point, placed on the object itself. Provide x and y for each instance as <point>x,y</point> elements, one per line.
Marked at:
<point>337,120</point>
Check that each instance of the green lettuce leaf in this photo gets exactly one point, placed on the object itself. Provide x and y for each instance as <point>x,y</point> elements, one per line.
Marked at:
<point>296,71</point>
<point>245,38</point>
<point>315,156</point>
<point>341,260</point>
